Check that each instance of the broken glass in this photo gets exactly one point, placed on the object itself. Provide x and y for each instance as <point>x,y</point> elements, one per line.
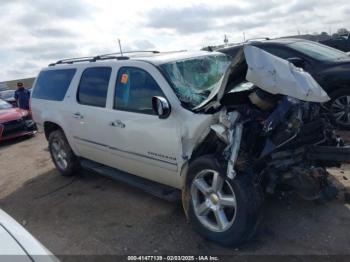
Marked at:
<point>194,79</point>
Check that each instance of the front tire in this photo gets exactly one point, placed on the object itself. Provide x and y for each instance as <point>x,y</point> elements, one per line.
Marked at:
<point>339,107</point>
<point>62,155</point>
<point>220,209</point>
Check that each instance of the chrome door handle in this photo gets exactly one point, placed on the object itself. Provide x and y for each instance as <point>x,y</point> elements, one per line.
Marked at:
<point>78,115</point>
<point>117,123</point>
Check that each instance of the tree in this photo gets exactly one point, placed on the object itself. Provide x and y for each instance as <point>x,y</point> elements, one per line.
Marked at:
<point>342,31</point>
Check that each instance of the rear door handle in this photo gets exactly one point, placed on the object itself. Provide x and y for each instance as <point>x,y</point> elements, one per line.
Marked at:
<point>117,123</point>
<point>78,115</point>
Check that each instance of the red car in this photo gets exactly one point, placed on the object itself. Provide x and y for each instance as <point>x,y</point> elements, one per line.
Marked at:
<point>14,122</point>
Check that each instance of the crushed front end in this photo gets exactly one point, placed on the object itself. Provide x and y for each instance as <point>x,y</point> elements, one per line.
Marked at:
<point>281,142</point>
<point>273,126</point>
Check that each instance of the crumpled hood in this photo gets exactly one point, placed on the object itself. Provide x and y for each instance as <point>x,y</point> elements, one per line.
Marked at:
<point>278,76</point>
<point>271,74</point>
<point>12,114</point>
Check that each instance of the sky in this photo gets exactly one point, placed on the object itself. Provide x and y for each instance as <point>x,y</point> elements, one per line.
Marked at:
<point>38,32</point>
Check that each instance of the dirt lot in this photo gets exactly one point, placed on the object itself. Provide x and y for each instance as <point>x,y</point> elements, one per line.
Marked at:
<point>90,214</point>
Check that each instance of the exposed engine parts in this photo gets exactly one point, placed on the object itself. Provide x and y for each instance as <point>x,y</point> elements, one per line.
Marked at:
<point>282,141</point>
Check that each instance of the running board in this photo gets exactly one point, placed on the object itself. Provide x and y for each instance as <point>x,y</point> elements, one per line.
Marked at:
<point>156,189</point>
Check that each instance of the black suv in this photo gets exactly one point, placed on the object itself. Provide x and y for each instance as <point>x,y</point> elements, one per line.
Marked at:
<point>329,67</point>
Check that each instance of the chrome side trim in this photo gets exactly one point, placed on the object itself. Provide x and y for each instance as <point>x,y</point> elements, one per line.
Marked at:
<point>123,151</point>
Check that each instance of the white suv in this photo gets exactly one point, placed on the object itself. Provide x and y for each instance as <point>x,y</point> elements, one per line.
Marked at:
<point>191,121</point>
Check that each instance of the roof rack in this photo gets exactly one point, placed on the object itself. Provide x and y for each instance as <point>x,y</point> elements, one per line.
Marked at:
<point>257,39</point>
<point>99,57</point>
<point>132,52</point>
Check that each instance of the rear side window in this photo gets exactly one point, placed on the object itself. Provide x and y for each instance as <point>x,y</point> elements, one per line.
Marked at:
<point>53,84</point>
<point>134,91</point>
<point>93,86</point>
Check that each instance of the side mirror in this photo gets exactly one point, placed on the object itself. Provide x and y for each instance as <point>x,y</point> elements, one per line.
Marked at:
<point>161,106</point>
<point>297,61</point>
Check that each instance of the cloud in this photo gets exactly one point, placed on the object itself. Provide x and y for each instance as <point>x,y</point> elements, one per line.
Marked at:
<point>43,31</point>
<point>39,14</point>
<point>142,45</point>
<point>199,18</point>
<point>52,32</point>
<point>48,50</point>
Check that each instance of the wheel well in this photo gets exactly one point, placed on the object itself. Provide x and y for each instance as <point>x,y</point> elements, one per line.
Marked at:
<point>210,145</point>
<point>334,89</point>
<point>49,127</point>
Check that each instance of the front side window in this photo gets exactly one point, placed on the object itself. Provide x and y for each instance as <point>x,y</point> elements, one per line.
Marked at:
<point>53,84</point>
<point>134,90</point>
<point>93,86</point>
<point>317,51</point>
<point>194,79</point>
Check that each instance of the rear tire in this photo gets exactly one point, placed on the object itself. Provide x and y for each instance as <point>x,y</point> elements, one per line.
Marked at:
<point>62,154</point>
<point>207,213</point>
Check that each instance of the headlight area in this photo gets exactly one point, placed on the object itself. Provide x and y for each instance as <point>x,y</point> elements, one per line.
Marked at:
<point>27,117</point>
<point>30,125</point>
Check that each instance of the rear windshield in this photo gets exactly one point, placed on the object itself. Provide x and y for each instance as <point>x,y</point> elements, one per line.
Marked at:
<point>317,51</point>
<point>53,84</point>
<point>4,105</point>
<point>7,94</point>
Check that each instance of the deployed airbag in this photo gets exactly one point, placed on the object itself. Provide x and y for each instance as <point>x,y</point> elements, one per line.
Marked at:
<point>278,76</point>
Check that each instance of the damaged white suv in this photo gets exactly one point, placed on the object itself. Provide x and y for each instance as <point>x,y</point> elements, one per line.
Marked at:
<point>223,130</point>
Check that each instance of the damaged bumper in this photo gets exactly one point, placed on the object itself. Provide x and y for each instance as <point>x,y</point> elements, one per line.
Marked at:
<point>17,128</point>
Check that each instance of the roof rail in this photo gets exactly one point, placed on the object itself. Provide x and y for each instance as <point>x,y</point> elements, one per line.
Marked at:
<point>99,57</point>
<point>87,59</point>
<point>132,52</point>
<point>257,38</point>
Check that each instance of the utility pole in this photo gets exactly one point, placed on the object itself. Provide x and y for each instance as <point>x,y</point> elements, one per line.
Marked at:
<point>243,36</point>
<point>225,40</point>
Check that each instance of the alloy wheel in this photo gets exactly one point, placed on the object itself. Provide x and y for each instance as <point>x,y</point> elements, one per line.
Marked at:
<point>341,110</point>
<point>59,154</point>
<point>213,200</point>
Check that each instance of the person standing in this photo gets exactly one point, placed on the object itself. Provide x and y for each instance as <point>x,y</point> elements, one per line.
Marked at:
<point>22,96</point>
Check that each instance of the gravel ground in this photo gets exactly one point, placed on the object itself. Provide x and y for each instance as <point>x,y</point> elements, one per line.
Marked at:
<point>89,214</point>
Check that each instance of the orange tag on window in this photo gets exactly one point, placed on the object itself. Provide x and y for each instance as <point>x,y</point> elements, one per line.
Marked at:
<point>124,79</point>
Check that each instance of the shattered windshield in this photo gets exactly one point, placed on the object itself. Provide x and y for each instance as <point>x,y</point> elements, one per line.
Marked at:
<point>194,79</point>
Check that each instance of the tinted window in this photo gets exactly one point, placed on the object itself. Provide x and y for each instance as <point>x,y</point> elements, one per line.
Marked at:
<point>317,51</point>
<point>279,52</point>
<point>93,86</point>
<point>134,90</point>
<point>53,84</point>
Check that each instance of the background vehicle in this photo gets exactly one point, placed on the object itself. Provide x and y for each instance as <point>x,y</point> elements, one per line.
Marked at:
<point>3,88</point>
<point>8,96</point>
<point>328,66</point>
<point>17,244</point>
<point>189,121</point>
<point>342,42</point>
<point>14,122</point>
